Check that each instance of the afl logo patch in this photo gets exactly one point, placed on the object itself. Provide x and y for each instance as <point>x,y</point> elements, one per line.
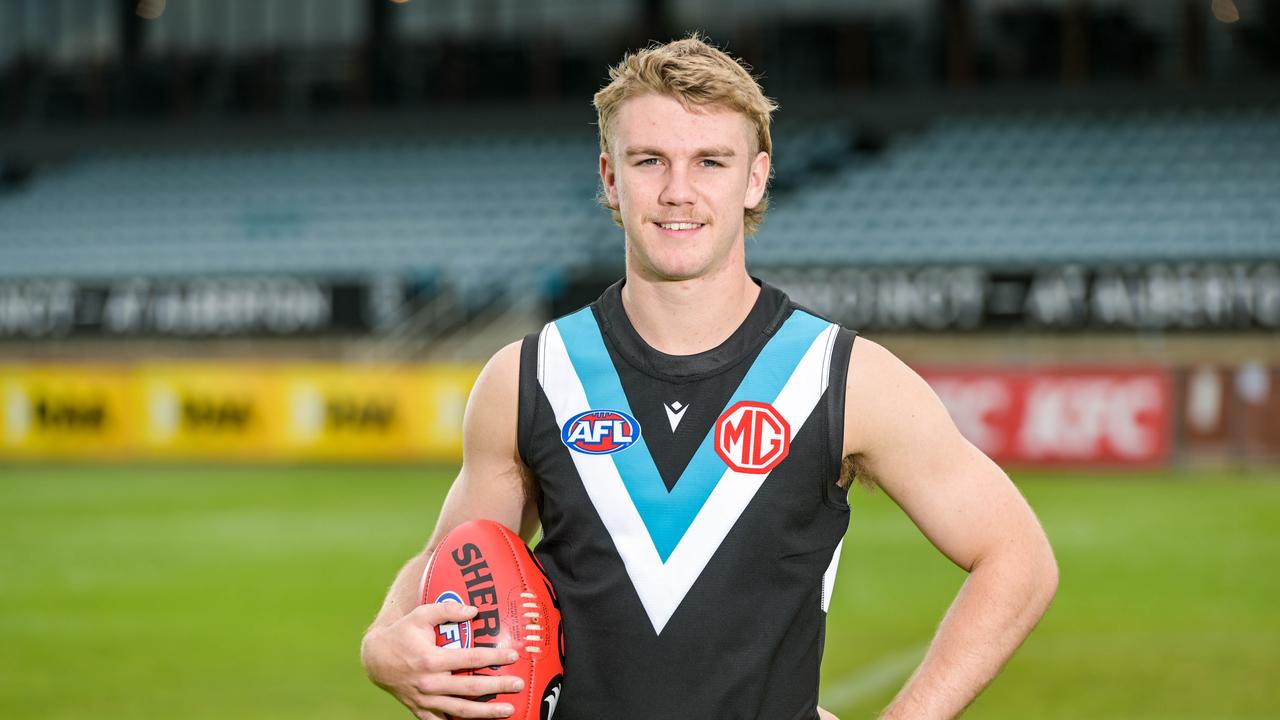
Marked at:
<point>752,437</point>
<point>600,432</point>
<point>453,635</point>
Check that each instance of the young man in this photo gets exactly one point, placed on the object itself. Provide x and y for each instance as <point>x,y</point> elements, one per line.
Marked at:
<point>694,561</point>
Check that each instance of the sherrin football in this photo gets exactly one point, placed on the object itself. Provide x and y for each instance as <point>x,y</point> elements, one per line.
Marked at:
<point>483,564</point>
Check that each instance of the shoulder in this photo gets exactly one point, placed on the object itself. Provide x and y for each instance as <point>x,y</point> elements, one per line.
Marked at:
<point>495,393</point>
<point>870,362</point>
<point>884,399</point>
<point>505,362</point>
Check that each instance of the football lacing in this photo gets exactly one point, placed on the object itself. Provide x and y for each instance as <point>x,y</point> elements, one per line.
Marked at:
<point>534,625</point>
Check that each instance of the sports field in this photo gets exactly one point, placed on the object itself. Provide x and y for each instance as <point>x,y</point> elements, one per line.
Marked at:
<point>147,592</point>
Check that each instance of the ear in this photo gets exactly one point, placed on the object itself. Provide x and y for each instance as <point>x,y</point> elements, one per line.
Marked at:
<point>758,180</point>
<point>608,180</point>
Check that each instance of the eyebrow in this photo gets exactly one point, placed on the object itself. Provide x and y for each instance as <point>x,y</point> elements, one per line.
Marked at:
<point>717,151</point>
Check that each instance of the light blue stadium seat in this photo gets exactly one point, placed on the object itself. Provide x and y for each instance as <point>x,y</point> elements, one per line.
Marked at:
<point>1015,188</point>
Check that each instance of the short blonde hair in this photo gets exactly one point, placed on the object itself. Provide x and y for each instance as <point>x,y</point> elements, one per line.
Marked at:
<point>697,75</point>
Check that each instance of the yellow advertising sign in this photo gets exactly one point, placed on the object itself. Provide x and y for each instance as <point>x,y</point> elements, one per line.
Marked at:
<point>213,411</point>
<point>67,411</point>
<point>235,411</point>
<point>338,412</point>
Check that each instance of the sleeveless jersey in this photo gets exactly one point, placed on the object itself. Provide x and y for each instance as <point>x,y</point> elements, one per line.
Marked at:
<point>690,510</point>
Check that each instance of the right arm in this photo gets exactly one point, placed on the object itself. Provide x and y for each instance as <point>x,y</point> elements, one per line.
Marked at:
<point>399,651</point>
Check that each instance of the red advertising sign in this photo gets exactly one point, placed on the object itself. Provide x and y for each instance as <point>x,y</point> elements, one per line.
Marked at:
<point>1060,416</point>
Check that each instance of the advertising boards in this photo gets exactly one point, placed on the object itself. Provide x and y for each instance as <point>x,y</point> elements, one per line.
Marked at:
<point>234,411</point>
<point>67,411</point>
<point>1075,416</point>
<point>206,411</point>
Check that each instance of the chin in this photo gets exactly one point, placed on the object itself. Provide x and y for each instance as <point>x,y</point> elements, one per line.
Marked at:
<point>680,276</point>
<point>677,271</point>
<point>662,259</point>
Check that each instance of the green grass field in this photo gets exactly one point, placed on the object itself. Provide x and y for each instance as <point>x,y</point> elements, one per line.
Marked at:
<point>147,592</point>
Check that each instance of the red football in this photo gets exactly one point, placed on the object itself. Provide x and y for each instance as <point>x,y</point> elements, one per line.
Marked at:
<point>482,563</point>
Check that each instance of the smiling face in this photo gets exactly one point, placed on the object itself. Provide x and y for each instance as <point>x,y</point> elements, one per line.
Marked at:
<point>681,179</point>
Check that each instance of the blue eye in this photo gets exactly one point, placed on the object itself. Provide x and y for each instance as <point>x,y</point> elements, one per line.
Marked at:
<point>648,161</point>
<point>711,163</point>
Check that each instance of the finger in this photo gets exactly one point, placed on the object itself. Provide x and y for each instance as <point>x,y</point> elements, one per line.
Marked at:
<point>421,707</point>
<point>472,658</point>
<point>469,685</point>
<point>459,708</point>
<point>433,614</point>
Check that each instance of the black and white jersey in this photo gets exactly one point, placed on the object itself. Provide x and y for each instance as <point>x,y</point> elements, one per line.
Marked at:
<point>691,515</point>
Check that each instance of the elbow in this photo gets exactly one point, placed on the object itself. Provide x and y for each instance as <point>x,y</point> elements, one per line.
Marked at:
<point>1036,571</point>
<point>1046,578</point>
<point>1051,584</point>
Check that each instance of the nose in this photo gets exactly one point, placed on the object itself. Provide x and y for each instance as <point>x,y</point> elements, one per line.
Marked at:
<point>677,190</point>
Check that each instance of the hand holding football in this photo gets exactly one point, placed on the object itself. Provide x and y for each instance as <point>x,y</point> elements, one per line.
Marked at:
<point>403,659</point>
<point>484,565</point>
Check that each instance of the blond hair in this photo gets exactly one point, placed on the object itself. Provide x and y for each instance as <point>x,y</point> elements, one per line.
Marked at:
<point>697,75</point>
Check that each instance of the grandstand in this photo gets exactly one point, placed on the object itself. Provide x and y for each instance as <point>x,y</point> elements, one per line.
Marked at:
<point>462,208</point>
<point>519,212</point>
<point>481,236</point>
<point>1033,189</point>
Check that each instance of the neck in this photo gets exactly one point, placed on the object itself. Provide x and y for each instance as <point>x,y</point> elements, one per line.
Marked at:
<point>685,317</point>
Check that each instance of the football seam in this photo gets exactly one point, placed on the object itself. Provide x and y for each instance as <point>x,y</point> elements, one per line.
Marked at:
<point>524,582</point>
<point>427,575</point>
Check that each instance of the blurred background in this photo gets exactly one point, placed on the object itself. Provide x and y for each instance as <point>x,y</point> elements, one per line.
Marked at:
<point>253,254</point>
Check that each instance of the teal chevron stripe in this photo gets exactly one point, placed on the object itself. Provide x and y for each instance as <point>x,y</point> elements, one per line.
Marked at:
<point>668,514</point>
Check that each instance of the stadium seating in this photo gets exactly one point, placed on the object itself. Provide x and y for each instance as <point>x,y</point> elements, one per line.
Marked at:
<point>471,209</point>
<point>1033,189</point>
<point>520,212</point>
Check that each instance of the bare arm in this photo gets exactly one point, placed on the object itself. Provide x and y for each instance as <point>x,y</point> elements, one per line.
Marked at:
<point>399,650</point>
<point>903,439</point>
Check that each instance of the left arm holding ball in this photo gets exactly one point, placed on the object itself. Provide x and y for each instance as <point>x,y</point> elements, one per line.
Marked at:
<point>901,438</point>
<point>399,650</point>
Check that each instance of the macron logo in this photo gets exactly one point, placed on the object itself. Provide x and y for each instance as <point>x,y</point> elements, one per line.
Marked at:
<point>675,411</point>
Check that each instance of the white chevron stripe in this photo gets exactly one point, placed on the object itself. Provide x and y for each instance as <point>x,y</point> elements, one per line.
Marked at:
<point>829,577</point>
<point>662,587</point>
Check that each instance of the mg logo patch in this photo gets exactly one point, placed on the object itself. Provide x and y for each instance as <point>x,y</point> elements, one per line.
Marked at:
<point>600,432</point>
<point>752,437</point>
